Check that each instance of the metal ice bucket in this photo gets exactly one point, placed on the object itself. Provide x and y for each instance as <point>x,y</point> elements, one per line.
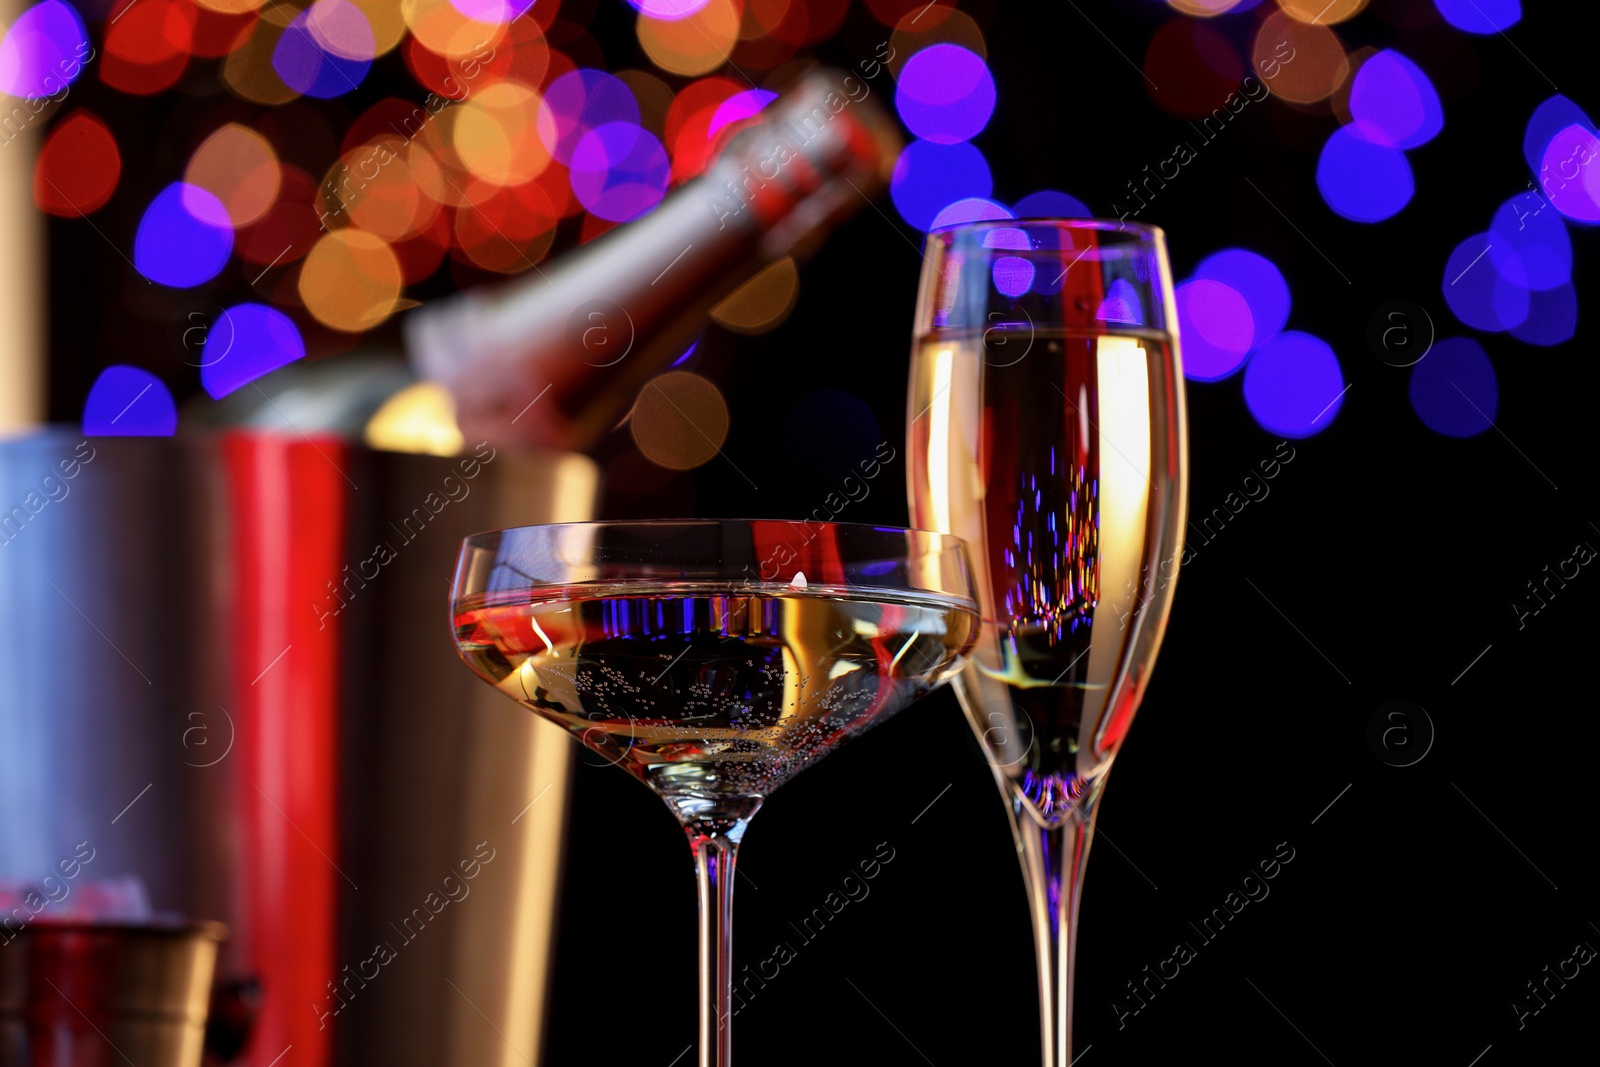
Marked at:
<point>82,995</point>
<point>226,665</point>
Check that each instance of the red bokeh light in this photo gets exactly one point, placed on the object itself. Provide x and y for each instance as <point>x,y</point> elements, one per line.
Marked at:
<point>78,167</point>
<point>147,45</point>
<point>1191,68</point>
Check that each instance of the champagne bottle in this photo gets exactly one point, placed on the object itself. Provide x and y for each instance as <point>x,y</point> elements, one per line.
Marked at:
<point>556,357</point>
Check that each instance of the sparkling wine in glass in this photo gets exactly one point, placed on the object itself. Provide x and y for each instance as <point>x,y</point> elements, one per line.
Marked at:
<point>1047,430</point>
<point>713,661</point>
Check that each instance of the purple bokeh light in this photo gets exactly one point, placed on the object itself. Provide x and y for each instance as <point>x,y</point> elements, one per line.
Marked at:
<point>1486,293</point>
<point>668,10</point>
<point>246,342</point>
<point>1013,275</point>
<point>43,51</point>
<point>971,209</point>
<point>184,238</point>
<point>738,107</point>
<point>1569,175</point>
<point>1294,385</point>
<point>308,63</point>
<point>1453,390</point>
<point>1122,304</point>
<point>129,402</point>
<point>1395,102</point>
<point>945,94</point>
<point>928,177</point>
<point>1362,180</point>
<point>1259,281</point>
<point>498,12</point>
<point>580,101</point>
<point>1217,328</point>
<point>619,171</point>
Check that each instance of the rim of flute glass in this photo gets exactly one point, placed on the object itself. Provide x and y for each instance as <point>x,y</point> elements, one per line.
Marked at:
<point>1139,230</point>
<point>858,545</point>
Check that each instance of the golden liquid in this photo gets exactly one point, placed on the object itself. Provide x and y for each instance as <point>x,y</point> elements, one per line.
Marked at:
<point>1054,455</point>
<point>706,690</point>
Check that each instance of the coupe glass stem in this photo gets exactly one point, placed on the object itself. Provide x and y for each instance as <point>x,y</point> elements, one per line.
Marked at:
<point>1053,860</point>
<point>715,844</point>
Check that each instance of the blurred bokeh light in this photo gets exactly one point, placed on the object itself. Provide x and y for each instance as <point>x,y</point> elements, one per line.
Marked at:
<point>129,402</point>
<point>1453,389</point>
<point>1294,385</point>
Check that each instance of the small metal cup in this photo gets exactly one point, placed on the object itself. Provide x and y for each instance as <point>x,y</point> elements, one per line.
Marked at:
<point>97,994</point>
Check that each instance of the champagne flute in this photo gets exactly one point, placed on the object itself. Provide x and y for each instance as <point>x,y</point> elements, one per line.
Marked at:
<point>1047,430</point>
<point>713,660</point>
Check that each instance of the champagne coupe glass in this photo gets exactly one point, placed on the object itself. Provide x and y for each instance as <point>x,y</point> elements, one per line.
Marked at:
<point>713,660</point>
<point>1047,430</point>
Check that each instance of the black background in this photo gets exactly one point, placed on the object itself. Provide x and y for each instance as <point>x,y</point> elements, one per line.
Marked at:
<point>1383,564</point>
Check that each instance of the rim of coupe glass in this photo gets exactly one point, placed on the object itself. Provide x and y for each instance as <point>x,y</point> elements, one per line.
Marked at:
<point>1140,230</point>
<point>935,541</point>
<point>915,544</point>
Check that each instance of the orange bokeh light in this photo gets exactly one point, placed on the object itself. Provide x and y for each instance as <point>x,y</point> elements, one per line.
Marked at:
<point>1303,63</point>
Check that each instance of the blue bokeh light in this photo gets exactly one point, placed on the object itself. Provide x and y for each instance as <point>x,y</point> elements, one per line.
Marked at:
<point>1547,120</point>
<point>945,94</point>
<point>928,177</point>
<point>1217,328</point>
<point>1259,281</point>
<point>44,50</point>
<point>582,100</point>
<point>1395,102</point>
<point>971,209</point>
<point>1362,180</point>
<point>1453,389</point>
<point>246,342</point>
<point>309,66</point>
<point>619,171</point>
<point>129,402</point>
<point>1552,317</point>
<point>1051,204</point>
<point>1527,236</point>
<point>1480,16</point>
<point>852,447</point>
<point>184,238</point>
<point>1486,293</point>
<point>1294,385</point>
